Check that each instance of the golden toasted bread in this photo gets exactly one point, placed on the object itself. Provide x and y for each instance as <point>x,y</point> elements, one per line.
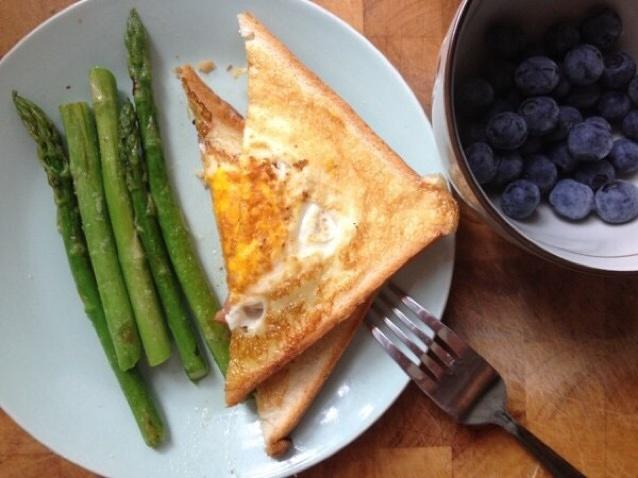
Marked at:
<point>283,398</point>
<point>315,214</point>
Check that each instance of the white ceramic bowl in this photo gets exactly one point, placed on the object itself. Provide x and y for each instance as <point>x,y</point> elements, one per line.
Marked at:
<point>591,245</point>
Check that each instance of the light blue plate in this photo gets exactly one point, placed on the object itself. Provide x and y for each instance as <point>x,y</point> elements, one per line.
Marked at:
<point>55,381</point>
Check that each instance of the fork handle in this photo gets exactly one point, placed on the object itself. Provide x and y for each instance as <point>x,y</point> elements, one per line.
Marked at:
<point>555,464</point>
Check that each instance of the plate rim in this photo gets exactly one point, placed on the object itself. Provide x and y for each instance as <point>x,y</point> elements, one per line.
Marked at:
<point>323,453</point>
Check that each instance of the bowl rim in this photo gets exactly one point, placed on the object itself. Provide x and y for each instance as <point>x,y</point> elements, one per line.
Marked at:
<point>455,145</point>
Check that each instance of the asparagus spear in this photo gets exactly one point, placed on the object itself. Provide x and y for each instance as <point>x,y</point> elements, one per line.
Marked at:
<point>176,235</point>
<point>84,160</point>
<point>151,236</point>
<point>56,165</point>
<point>148,314</point>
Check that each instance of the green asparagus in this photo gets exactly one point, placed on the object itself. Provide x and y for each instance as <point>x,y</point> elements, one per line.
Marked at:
<point>189,270</point>
<point>84,161</point>
<point>151,235</point>
<point>148,313</point>
<point>56,164</point>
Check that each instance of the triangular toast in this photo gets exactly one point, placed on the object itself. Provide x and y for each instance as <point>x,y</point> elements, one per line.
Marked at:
<point>283,398</point>
<point>318,210</point>
<point>329,210</point>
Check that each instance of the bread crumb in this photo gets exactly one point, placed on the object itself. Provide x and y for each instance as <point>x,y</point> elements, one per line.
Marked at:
<point>202,177</point>
<point>206,66</point>
<point>238,71</point>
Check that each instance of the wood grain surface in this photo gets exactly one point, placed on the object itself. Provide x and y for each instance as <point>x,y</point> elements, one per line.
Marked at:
<point>567,344</point>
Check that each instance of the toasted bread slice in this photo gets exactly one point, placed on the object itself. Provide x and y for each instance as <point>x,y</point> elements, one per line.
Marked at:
<point>316,213</point>
<point>283,398</point>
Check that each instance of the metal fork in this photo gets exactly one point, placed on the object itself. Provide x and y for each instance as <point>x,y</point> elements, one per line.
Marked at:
<point>452,374</point>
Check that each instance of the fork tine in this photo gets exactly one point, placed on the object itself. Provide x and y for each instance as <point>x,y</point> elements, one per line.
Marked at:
<point>415,307</point>
<point>426,339</point>
<point>441,356</point>
<point>447,336</point>
<point>428,365</point>
<point>409,367</point>
<point>414,348</point>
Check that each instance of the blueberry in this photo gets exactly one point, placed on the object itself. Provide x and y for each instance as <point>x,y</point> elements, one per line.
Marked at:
<point>583,65</point>
<point>571,199</point>
<point>614,105</point>
<point>540,113</point>
<point>620,68</point>
<point>560,156</point>
<point>617,202</point>
<point>509,167</point>
<point>505,41</point>
<point>630,125</point>
<point>568,116</point>
<point>562,89</point>
<point>589,141</point>
<point>537,75</point>
<point>480,158</point>
<point>600,121</point>
<point>506,131</point>
<point>595,174</point>
<point>474,132</point>
<point>583,97</point>
<point>520,199</point>
<point>541,171</point>
<point>533,145</point>
<point>560,38</point>
<point>602,28</point>
<point>624,156</point>
<point>632,90</point>
<point>475,96</point>
<point>500,74</point>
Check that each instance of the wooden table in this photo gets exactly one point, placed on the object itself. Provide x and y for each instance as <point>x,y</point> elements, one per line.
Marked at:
<point>567,344</point>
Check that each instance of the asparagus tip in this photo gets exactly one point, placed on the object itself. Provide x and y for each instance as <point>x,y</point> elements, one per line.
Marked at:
<point>21,102</point>
<point>134,21</point>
